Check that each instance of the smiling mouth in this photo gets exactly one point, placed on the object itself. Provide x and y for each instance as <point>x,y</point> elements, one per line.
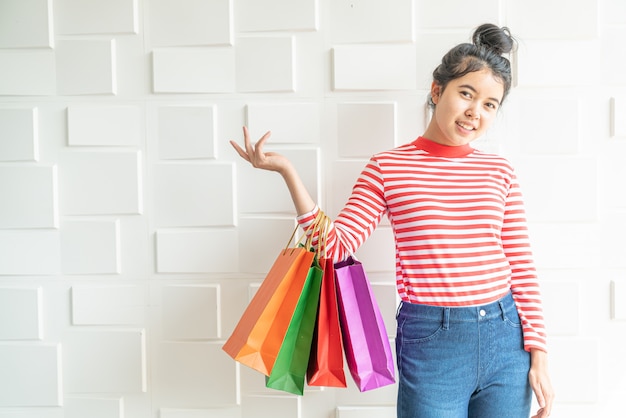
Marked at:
<point>466,126</point>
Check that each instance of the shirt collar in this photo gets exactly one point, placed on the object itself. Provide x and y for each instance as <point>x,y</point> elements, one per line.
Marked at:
<point>439,150</point>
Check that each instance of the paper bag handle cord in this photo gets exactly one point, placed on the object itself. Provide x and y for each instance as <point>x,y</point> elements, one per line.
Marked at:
<point>311,228</point>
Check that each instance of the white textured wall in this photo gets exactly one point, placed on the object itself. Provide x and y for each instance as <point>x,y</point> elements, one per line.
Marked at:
<point>132,236</point>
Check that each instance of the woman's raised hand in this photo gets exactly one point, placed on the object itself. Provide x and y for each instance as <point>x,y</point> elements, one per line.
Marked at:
<point>253,153</point>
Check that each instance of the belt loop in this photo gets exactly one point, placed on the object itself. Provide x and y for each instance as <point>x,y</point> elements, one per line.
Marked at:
<point>502,311</point>
<point>446,318</point>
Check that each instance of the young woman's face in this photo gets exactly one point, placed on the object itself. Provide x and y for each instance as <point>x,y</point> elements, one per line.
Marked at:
<point>465,109</point>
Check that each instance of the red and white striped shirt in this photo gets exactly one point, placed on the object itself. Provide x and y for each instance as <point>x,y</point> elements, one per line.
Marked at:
<point>459,224</point>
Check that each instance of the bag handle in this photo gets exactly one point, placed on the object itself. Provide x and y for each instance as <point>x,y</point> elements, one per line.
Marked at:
<point>308,233</point>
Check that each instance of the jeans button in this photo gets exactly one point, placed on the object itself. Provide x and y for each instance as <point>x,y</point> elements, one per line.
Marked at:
<point>482,312</point>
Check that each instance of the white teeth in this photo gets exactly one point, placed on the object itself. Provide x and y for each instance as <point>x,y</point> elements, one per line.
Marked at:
<point>464,126</point>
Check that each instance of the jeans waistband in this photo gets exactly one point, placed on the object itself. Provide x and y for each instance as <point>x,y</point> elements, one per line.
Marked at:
<point>492,310</point>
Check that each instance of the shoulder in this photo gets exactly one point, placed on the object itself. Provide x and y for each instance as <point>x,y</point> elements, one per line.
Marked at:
<point>398,153</point>
<point>491,159</point>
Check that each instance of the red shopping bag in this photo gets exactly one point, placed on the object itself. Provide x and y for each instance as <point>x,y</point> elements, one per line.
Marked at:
<point>326,360</point>
<point>366,344</point>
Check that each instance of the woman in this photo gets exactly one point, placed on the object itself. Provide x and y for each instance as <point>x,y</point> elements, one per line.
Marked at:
<point>470,337</point>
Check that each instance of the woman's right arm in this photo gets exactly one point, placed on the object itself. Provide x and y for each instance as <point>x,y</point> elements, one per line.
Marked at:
<point>253,153</point>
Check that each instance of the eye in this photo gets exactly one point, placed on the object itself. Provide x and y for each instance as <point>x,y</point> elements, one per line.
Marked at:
<point>466,93</point>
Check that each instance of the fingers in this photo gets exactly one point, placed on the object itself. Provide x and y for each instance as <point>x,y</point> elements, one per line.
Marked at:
<point>253,153</point>
<point>242,153</point>
<point>544,397</point>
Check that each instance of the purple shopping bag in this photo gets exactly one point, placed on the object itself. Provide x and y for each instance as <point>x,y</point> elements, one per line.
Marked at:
<point>366,344</point>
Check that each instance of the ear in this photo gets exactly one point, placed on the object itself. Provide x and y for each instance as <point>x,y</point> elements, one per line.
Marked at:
<point>435,92</point>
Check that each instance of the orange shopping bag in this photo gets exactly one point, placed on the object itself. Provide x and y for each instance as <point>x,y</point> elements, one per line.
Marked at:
<point>256,339</point>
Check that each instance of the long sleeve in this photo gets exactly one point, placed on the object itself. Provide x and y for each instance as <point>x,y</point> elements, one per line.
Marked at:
<point>524,282</point>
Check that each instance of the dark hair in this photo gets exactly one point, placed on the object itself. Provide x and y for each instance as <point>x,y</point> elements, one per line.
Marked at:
<point>489,42</point>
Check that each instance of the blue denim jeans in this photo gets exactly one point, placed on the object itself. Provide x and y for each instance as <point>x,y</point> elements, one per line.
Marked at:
<point>462,362</point>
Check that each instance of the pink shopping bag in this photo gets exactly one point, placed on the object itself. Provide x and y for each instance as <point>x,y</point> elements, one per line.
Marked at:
<point>366,344</point>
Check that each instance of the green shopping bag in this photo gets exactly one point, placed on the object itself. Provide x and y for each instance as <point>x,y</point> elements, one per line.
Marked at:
<point>289,371</point>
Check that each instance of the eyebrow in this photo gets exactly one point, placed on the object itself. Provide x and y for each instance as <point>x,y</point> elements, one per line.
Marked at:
<point>467,86</point>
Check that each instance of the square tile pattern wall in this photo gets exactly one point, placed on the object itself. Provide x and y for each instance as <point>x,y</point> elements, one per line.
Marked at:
<point>132,236</point>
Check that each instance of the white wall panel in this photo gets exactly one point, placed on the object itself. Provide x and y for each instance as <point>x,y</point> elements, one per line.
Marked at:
<point>564,245</point>
<point>27,72</point>
<point>96,16</point>
<point>31,375</point>
<point>108,305</point>
<point>81,407</point>
<point>552,188</point>
<point>579,21</point>
<point>191,312</point>
<point>86,67</point>
<point>295,123</point>
<point>186,376</point>
<point>19,133</point>
<point>26,24</point>
<point>38,412</point>
<point>104,125</point>
<point>263,192</point>
<point>365,412</point>
<point>371,21</point>
<point>225,412</point>
<point>198,70</point>
<point>194,195</point>
<point>431,46</point>
<point>197,251</point>
<point>90,247</point>
<point>554,138</point>
<point>261,240</point>
<point>561,318</point>
<point>190,22</point>
<point>344,174</point>
<point>561,57</point>
<point>365,129</point>
<point>618,299</point>
<point>374,67</point>
<point>613,60</point>
<point>275,15</point>
<point>613,11</point>
<point>455,14</point>
<point>29,197</point>
<point>266,64</point>
<point>618,117</point>
<point>270,406</point>
<point>108,361</point>
<point>580,384</point>
<point>93,183</point>
<point>35,252</point>
<point>21,313</point>
<point>187,132</point>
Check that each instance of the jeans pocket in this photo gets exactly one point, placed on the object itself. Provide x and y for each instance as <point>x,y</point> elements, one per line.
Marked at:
<point>416,330</point>
<point>511,318</point>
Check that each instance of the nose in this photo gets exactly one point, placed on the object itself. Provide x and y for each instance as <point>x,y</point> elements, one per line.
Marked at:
<point>472,113</point>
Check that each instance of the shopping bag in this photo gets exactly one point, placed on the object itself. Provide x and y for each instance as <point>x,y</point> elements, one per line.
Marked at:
<point>326,367</point>
<point>289,371</point>
<point>258,335</point>
<point>366,344</point>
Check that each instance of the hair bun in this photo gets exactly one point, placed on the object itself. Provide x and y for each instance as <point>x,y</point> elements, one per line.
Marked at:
<point>490,36</point>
